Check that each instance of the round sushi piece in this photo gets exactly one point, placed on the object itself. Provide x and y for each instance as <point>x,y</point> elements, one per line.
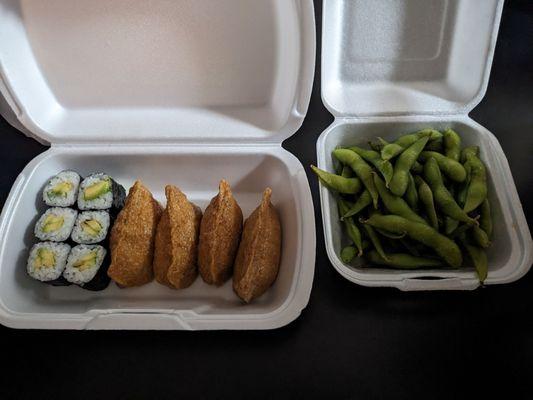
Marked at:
<point>62,189</point>
<point>47,261</point>
<point>86,265</point>
<point>91,227</point>
<point>55,224</point>
<point>100,192</point>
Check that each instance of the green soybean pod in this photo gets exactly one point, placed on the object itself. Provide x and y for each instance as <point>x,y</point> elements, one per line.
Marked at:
<point>351,228</point>
<point>411,138</point>
<point>391,150</point>
<point>395,204</point>
<point>374,238</point>
<point>479,259</point>
<point>348,253</point>
<point>446,248</point>
<point>400,179</point>
<point>403,261</point>
<point>435,145</point>
<point>442,196</point>
<point>363,201</point>
<point>337,182</point>
<point>361,169</point>
<point>411,194</point>
<point>452,144</point>
<point>473,150</point>
<point>450,225</point>
<point>426,197</point>
<point>390,235</point>
<point>485,218</point>
<point>477,189</point>
<point>480,237</point>
<point>373,157</point>
<point>451,168</point>
<point>463,188</point>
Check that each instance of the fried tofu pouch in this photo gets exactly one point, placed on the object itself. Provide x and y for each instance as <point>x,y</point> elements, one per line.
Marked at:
<point>176,243</point>
<point>132,238</point>
<point>220,232</point>
<point>257,263</point>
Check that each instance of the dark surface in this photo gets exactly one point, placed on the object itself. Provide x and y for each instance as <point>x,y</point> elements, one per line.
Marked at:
<point>351,341</point>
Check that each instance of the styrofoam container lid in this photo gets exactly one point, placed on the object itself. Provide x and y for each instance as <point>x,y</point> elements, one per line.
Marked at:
<point>386,57</point>
<point>138,71</point>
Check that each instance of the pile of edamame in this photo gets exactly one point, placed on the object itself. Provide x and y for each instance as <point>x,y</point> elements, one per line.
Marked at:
<point>418,202</point>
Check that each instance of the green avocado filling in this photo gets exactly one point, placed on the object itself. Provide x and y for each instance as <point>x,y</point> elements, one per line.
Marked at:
<point>45,259</point>
<point>87,261</point>
<point>60,190</point>
<point>97,189</point>
<point>52,223</point>
<point>91,227</point>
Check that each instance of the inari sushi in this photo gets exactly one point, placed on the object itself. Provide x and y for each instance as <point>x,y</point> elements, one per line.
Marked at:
<point>101,192</point>
<point>55,224</point>
<point>47,261</point>
<point>132,238</point>
<point>177,240</point>
<point>87,267</point>
<point>220,233</point>
<point>62,189</point>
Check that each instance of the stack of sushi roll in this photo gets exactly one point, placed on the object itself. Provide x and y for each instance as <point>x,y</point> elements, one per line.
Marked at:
<point>73,247</point>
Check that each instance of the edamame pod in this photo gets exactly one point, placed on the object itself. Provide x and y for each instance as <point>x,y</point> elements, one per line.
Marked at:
<point>375,240</point>
<point>451,168</point>
<point>390,235</point>
<point>485,218</point>
<point>337,182</point>
<point>478,257</point>
<point>441,195</point>
<point>347,172</point>
<point>452,144</point>
<point>348,253</point>
<point>395,204</point>
<point>373,157</point>
<point>361,169</point>
<point>411,194</point>
<point>435,145</point>
<point>480,237</point>
<point>426,197</point>
<point>473,150</point>
<point>391,150</point>
<point>450,225</point>
<point>362,202</point>
<point>351,228</point>
<point>477,189</point>
<point>443,246</point>
<point>400,179</point>
<point>403,261</point>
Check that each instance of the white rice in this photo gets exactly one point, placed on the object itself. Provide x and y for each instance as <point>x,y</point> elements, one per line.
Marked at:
<point>73,274</point>
<point>102,202</point>
<point>61,234</point>
<point>79,236</point>
<point>44,274</point>
<point>60,201</point>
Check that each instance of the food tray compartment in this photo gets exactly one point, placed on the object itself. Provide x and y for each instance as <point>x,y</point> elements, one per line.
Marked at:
<point>509,257</point>
<point>196,171</point>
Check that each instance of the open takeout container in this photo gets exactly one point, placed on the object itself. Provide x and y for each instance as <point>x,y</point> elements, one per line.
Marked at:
<point>392,67</point>
<point>185,93</point>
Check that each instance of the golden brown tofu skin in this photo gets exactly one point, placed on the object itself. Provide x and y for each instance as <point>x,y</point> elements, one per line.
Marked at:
<point>220,232</point>
<point>258,257</point>
<point>176,243</point>
<point>132,238</point>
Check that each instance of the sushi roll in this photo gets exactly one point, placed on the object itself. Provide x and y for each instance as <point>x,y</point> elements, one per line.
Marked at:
<point>55,224</point>
<point>62,189</point>
<point>47,261</point>
<point>87,267</point>
<point>101,192</point>
<point>91,227</point>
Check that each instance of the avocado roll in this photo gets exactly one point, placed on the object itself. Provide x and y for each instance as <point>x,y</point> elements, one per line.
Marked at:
<point>101,192</point>
<point>87,267</point>
<point>91,227</point>
<point>55,224</point>
<point>62,189</point>
<point>47,262</point>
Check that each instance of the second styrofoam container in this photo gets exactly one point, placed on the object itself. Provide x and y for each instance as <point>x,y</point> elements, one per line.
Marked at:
<point>390,68</point>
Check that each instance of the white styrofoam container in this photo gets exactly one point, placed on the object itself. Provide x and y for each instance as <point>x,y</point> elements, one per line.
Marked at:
<point>395,66</point>
<point>185,93</point>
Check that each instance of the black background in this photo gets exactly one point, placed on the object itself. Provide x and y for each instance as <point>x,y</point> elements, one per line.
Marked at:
<point>351,341</point>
